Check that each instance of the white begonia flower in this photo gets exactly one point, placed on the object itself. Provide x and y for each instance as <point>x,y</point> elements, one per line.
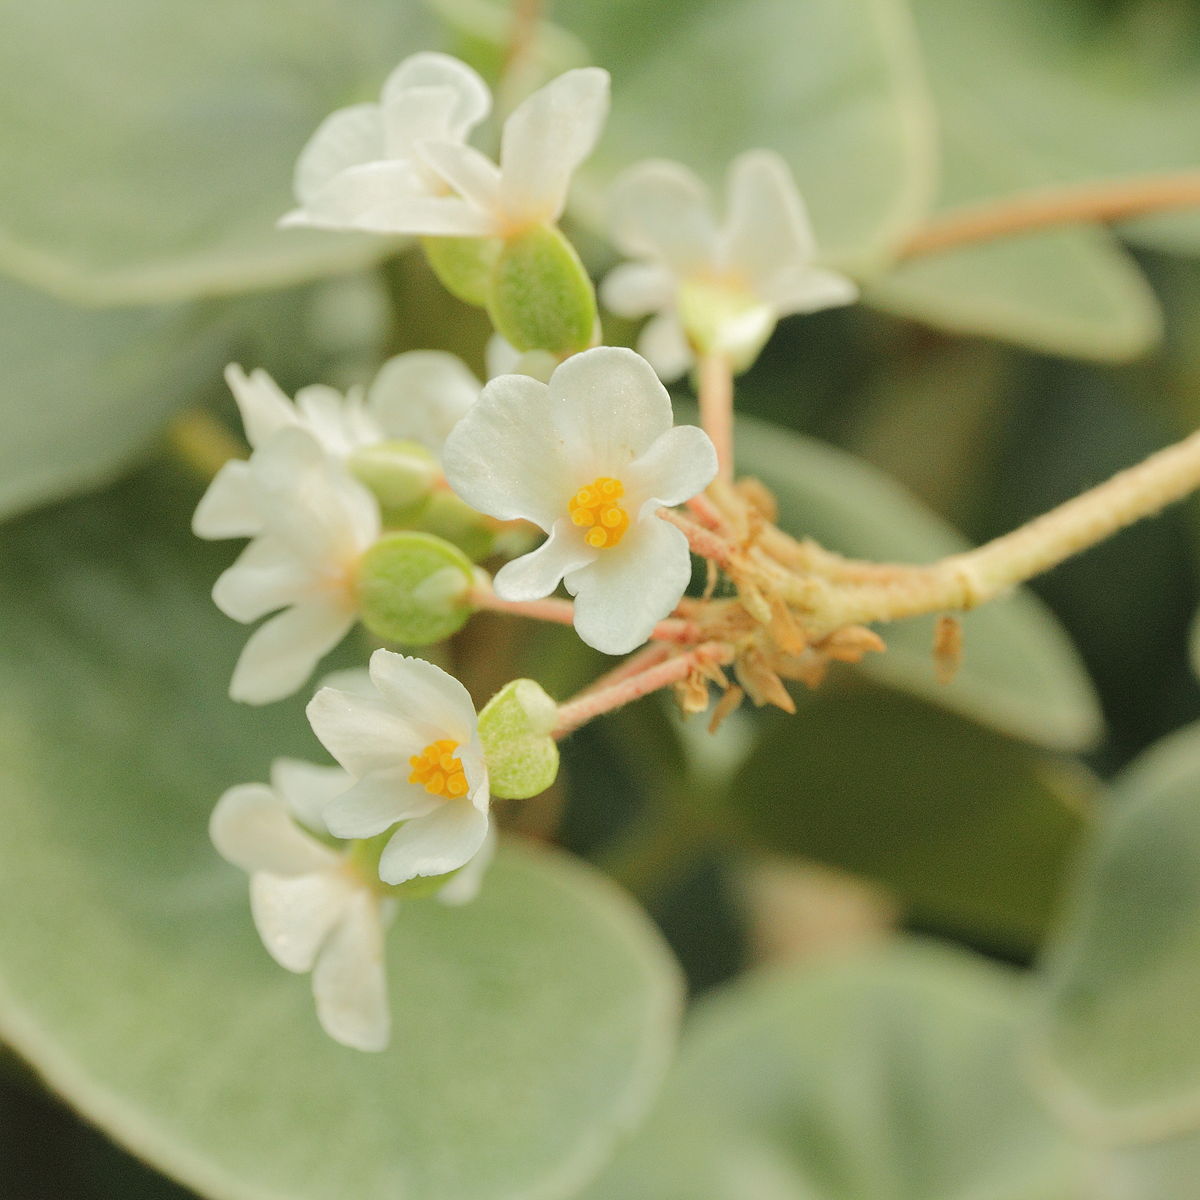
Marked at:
<point>590,458</point>
<point>339,424</point>
<point>313,910</point>
<point>722,287</point>
<point>362,170</point>
<point>414,751</point>
<point>313,524</point>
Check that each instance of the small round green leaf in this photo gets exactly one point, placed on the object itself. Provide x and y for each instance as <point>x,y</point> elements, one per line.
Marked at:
<point>514,726</point>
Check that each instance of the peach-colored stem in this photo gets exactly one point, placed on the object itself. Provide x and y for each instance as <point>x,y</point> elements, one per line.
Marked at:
<point>594,703</point>
<point>716,409</point>
<point>702,541</point>
<point>1109,200</point>
<point>648,656</point>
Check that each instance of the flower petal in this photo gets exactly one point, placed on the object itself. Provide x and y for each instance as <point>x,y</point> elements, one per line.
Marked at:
<point>345,138</point>
<point>294,915</point>
<point>283,653</point>
<point>377,802</point>
<point>473,101</point>
<point>808,289</point>
<point>610,407</point>
<point>637,288</point>
<point>230,507</point>
<point>473,175</point>
<point>628,589</point>
<point>424,697</point>
<point>252,828</point>
<point>766,224</point>
<point>339,423</point>
<point>661,211</point>
<point>680,463</point>
<point>264,407</point>
<point>421,395</point>
<point>364,733</point>
<point>505,457</point>
<point>464,886</point>
<point>539,572</point>
<point>665,346</point>
<point>266,576</point>
<point>349,981</point>
<point>443,841</point>
<point>547,136</point>
<point>307,789</point>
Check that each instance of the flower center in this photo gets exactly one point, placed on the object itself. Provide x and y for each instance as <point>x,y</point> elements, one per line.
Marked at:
<point>438,771</point>
<point>596,509</point>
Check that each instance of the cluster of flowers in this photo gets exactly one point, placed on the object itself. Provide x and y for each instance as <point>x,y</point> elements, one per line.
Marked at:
<point>339,494</point>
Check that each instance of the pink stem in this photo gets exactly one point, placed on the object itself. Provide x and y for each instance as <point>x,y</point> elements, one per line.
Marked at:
<point>716,409</point>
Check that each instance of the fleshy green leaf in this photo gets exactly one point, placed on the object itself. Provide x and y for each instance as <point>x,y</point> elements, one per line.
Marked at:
<point>1118,1040</point>
<point>833,85</point>
<point>969,828</point>
<point>131,976</point>
<point>1020,674</point>
<point>889,1076</point>
<point>149,144</point>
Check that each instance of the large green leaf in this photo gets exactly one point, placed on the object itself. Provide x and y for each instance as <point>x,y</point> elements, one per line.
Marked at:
<point>130,974</point>
<point>1118,1037</point>
<point>833,85</point>
<point>969,828</point>
<point>885,1077</point>
<point>1020,673</point>
<point>149,144</point>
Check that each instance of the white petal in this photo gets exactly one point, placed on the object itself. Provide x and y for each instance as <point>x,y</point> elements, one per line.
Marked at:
<point>230,507</point>
<point>424,696</point>
<point>665,346</point>
<point>349,981</point>
<point>346,138</point>
<point>473,175</point>
<point>364,733</point>
<point>766,225</point>
<point>502,358</point>
<point>294,915</point>
<point>628,589</point>
<point>443,841</point>
<point>377,803</point>
<point>416,114</point>
<point>547,136</point>
<point>506,456</point>
<point>808,289</point>
<point>430,69</point>
<point>464,886</point>
<point>539,572</point>
<point>421,395</point>
<point>612,406</point>
<point>283,653</point>
<point>252,828</point>
<point>264,407</point>
<point>678,465</point>
<point>339,423</point>
<point>307,789</point>
<point>635,289</point>
<point>266,576</point>
<point>661,211</point>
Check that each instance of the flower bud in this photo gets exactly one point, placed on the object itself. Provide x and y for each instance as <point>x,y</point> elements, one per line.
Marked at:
<point>464,265</point>
<point>401,474</point>
<point>413,588</point>
<point>515,726</point>
<point>542,298</point>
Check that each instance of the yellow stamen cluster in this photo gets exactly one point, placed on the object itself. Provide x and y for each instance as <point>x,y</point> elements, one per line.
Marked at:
<point>438,770</point>
<point>595,509</point>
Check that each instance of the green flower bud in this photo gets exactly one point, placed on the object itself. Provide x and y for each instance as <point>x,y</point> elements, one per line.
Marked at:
<point>401,474</point>
<point>514,727</point>
<point>720,318</point>
<point>448,517</point>
<point>542,298</point>
<point>413,588</point>
<point>465,265</point>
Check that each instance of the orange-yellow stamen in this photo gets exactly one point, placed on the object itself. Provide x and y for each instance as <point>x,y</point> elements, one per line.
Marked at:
<point>596,509</point>
<point>438,770</point>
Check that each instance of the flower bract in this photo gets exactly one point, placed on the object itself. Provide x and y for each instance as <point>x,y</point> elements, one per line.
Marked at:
<point>715,288</point>
<point>589,457</point>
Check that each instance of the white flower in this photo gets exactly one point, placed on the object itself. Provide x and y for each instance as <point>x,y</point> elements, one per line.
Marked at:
<point>312,909</point>
<point>313,523</point>
<point>590,458</point>
<point>414,751</point>
<point>720,286</point>
<point>339,424</point>
<point>361,169</point>
<point>421,395</point>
